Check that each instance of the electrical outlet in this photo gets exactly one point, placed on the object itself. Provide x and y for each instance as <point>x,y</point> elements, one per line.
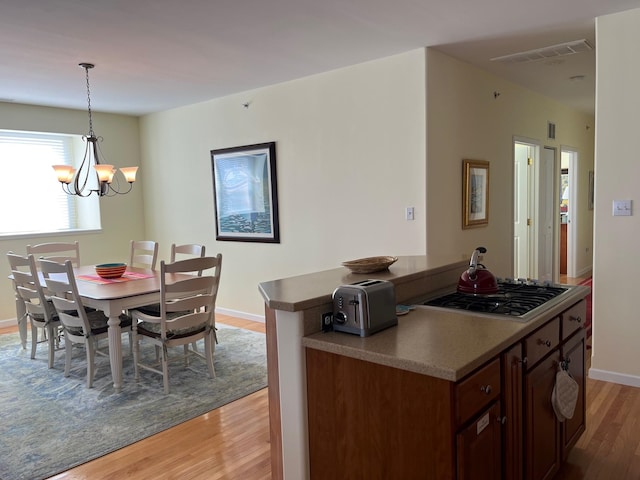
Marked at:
<point>327,322</point>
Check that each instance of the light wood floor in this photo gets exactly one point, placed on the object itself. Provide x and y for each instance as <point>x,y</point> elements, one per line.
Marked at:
<point>232,442</point>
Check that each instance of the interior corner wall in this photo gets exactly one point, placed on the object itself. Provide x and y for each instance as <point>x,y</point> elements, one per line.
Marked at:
<point>465,120</point>
<point>350,150</point>
<point>616,263</point>
<point>122,217</point>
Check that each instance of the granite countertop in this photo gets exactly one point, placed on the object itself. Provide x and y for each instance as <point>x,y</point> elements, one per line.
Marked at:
<point>302,292</point>
<point>446,344</point>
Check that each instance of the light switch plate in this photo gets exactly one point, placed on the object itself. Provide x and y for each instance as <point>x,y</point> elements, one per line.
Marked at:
<point>621,208</point>
<point>409,213</point>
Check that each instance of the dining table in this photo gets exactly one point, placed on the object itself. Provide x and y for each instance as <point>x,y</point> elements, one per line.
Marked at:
<point>136,288</point>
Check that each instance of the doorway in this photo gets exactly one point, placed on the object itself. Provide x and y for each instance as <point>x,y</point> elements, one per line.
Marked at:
<point>567,192</point>
<point>534,211</point>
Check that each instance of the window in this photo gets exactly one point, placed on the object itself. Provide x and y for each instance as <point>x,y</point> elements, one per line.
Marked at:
<point>31,196</point>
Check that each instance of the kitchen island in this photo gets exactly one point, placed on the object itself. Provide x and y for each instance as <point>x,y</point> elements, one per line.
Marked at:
<point>424,365</point>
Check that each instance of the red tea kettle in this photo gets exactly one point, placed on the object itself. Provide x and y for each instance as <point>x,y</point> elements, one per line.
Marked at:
<point>477,280</point>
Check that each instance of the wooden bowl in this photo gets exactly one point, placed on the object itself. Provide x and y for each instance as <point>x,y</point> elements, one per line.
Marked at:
<point>111,270</point>
<point>370,264</point>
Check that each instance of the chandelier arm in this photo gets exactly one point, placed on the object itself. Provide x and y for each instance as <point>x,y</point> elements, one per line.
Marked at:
<point>82,175</point>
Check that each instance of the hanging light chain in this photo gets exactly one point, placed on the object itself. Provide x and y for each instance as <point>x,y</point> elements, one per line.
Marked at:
<point>86,67</point>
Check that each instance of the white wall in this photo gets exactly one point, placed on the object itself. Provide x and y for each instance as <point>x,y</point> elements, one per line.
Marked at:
<point>617,265</point>
<point>466,121</point>
<point>122,217</point>
<point>350,148</point>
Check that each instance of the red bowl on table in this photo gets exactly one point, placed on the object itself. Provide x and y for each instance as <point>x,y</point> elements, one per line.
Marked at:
<point>111,270</point>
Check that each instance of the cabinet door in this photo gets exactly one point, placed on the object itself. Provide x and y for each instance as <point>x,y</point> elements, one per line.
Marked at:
<point>512,412</point>
<point>479,447</point>
<point>542,431</point>
<point>573,351</point>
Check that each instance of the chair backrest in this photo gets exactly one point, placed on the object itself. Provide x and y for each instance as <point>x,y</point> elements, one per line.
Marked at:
<point>28,287</point>
<point>57,252</point>
<point>193,296</point>
<point>144,254</point>
<point>61,285</point>
<point>188,249</point>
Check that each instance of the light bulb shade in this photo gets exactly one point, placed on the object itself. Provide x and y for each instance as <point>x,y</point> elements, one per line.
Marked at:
<point>64,172</point>
<point>129,173</point>
<point>105,172</point>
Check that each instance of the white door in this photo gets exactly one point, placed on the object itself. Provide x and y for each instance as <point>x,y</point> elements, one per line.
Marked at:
<point>521,211</point>
<point>546,214</point>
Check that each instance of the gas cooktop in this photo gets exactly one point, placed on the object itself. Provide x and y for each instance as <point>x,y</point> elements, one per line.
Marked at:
<point>514,298</point>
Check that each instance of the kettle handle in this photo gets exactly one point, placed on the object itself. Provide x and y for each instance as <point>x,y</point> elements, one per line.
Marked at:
<point>473,263</point>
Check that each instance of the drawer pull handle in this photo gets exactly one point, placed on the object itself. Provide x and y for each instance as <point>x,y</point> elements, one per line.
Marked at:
<point>546,343</point>
<point>501,420</point>
<point>486,389</point>
<point>524,360</point>
<point>575,319</point>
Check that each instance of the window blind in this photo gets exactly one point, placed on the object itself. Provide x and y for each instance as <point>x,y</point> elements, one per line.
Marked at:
<point>31,196</point>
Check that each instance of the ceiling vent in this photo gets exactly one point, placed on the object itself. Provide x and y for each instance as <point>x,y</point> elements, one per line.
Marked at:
<point>560,50</point>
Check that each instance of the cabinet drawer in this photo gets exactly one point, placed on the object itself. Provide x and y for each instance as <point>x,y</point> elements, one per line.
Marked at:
<point>573,319</point>
<point>477,391</point>
<point>541,342</point>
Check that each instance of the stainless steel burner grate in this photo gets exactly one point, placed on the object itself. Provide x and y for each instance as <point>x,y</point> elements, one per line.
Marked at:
<point>515,299</point>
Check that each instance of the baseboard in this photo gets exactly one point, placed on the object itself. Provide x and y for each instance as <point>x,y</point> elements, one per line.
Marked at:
<point>584,271</point>
<point>614,377</point>
<point>238,314</point>
<point>11,322</point>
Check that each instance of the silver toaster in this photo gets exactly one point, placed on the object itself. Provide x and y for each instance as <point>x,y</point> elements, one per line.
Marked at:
<point>365,307</point>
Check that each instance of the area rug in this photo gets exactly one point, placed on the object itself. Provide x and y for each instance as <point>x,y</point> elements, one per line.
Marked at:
<point>51,423</point>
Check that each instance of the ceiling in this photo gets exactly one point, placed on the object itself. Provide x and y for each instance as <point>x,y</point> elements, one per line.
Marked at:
<point>153,55</point>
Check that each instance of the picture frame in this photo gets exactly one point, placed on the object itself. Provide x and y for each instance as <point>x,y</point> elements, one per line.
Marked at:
<point>475,193</point>
<point>245,193</point>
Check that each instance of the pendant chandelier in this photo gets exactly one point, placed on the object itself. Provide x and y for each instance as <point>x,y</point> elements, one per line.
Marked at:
<point>76,182</point>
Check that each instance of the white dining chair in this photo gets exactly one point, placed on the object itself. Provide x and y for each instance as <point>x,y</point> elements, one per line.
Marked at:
<point>187,314</point>
<point>81,326</point>
<point>144,254</point>
<point>57,251</point>
<point>39,310</point>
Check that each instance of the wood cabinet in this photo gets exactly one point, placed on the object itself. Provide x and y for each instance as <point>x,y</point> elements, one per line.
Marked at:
<point>573,353</point>
<point>372,421</point>
<point>512,413</point>
<point>479,447</point>
<point>541,439</point>
<point>547,441</point>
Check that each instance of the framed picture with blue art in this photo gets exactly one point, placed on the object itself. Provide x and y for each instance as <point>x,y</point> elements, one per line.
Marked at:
<point>245,193</point>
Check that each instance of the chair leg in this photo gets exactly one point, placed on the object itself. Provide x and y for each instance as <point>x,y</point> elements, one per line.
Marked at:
<point>209,348</point>
<point>34,340</point>
<point>165,369</point>
<point>186,354</point>
<point>136,355</point>
<point>51,340</point>
<point>90,346</point>
<point>68,345</point>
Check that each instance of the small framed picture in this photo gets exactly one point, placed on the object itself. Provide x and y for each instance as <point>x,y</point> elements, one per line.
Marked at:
<point>475,193</point>
<point>245,193</point>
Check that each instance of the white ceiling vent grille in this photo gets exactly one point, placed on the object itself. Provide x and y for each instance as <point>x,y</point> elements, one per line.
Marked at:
<point>560,50</point>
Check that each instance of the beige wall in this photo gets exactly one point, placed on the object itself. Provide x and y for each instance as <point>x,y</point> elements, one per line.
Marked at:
<point>350,147</point>
<point>466,121</point>
<point>616,265</point>
<point>122,217</point>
